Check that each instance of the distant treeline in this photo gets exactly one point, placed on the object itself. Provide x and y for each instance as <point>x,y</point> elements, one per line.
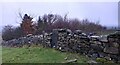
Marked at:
<point>48,22</point>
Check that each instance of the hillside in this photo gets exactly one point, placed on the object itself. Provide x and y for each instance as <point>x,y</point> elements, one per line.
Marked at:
<point>38,55</point>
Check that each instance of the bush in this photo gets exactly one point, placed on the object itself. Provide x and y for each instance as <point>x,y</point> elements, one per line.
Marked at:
<point>9,32</point>
<point>47,23</point>
<point>53,21</point>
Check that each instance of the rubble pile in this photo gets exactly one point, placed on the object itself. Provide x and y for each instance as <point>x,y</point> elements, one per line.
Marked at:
<point>67,41</point>
<point>28,40</point>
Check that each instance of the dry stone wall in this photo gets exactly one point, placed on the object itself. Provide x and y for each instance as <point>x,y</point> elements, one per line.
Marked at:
<point>67,41</point>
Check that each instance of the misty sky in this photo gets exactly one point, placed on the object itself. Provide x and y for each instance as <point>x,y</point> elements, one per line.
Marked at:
<point>105,12</point>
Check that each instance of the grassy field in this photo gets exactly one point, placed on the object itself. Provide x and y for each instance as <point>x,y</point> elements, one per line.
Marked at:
<point>0,54</point>
<point>38,55</point>
<point>106,32</point>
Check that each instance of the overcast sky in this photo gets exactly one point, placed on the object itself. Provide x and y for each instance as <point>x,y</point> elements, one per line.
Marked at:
<point>105,12</point>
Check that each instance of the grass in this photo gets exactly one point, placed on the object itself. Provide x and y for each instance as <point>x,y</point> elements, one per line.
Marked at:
<point>106,32</point>
<point>38,55</point>
<point>0,54</point>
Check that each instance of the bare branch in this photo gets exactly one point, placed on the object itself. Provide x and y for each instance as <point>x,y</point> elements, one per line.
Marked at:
<point>20,13</point>
<point>65,17</point>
